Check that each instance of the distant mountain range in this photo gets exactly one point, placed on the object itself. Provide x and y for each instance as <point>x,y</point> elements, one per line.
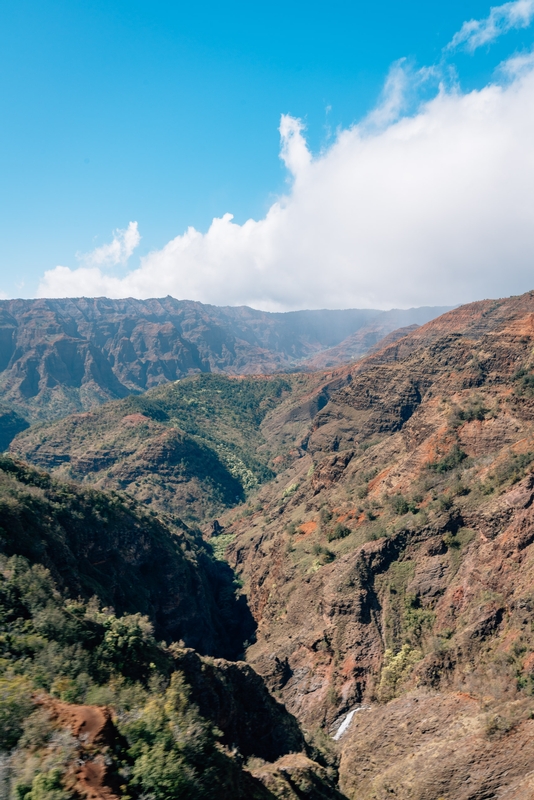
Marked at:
<point>63,356</point>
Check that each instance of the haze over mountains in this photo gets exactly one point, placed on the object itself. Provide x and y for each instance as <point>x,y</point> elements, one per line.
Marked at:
<point>377,518</point>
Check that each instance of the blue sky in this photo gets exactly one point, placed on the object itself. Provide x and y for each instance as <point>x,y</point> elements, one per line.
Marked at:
<point>167,114</point>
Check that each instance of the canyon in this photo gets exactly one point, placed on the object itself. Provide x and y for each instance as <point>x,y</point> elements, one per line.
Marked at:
<point>371,527</point>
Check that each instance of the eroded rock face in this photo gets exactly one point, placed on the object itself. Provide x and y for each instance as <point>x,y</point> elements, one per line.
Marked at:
<point>389,565</point>
<point>234,697</point>
<point>394,559</point>
<point>439,745</point>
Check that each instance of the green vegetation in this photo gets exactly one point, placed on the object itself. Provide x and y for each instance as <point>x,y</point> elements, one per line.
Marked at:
<point>475,409</point>
<point>191,448</point>
<point>325,515</point>
<point>290,490</point>
<point>453,459</point>
<point>401,505</point>
<point>416,619</point>
<point>223,413</point>
<point>66,646</point>
<point>455,544</point>
<point>396,670</point>
<point>174,751</point>
<point>339,532</point>
<point>61,647</point>
<point>512,469</point>
<point>80,652</point>
<point>106,545</point>
<point>407,621</point>
<point>524,380</point>
<point>220,543</point>
<point>323,555</point>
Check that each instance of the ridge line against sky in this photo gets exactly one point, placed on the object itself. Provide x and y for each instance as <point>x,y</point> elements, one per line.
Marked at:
<point>428,200</point>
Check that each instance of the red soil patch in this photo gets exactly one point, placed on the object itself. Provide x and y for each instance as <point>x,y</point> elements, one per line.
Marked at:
<point>307,528</point>
<point>379,478</point>
<point>91,725</point>
<point>349,666</point>
<point>90,780</point>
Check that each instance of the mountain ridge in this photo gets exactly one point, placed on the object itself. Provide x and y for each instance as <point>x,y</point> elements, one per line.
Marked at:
<point>63,356</point>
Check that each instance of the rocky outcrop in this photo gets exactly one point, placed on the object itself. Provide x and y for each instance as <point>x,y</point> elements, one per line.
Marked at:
<point>234,697</point>
<point>252,725</point>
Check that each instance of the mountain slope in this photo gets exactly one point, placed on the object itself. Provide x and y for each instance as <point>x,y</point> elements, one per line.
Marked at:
<point>376,334</point>
<point>391,566</point>
<point>106,545</point>
<point>389,561</point>
<point>92,706</point>
<point>190,448</point>
<point>63,356</point>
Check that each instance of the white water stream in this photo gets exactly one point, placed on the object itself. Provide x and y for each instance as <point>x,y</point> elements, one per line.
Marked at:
<point>346,722</point>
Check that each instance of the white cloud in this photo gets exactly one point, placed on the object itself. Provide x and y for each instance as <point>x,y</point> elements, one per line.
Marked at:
<point>118,251</point>
<point>517,66</point>
<point>402,91</point>
<point>501,19</point>
<point>435,208</point>
<point>293,152</point>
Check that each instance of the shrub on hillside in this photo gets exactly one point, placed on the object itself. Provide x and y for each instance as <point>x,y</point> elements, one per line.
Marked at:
<point>340,531</point>
<point>174,750</point>
<point>453,459</point>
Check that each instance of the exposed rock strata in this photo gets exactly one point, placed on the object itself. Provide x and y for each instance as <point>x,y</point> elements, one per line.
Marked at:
<point>396,555</point>
<point>389,565</point>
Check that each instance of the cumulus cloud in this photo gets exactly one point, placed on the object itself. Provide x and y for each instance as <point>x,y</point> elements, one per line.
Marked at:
<point>432,208</point>
<point>501,19</point>
<point>118,251</point>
